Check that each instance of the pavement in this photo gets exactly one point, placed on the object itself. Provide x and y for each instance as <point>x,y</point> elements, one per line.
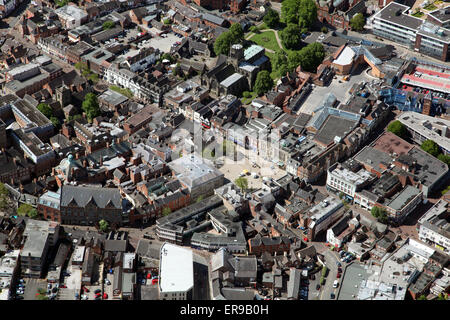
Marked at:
<point>31,287</point>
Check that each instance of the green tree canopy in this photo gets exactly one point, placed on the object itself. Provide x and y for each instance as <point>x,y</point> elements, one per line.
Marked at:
<point>103,225</point>
<point>90,106</point>
<point>55,121</point>
<point>307,13</point>
<point>241,183</point>
<point>27,210</point>
<point>166,211</point>
<point>291,36</point>
<point>168,56</point>
<point>431,147</point>
<point>45,109</point>
<point>380,214</point>
<point>444,158</point>
<point>263,82</point>
<point>357,22</point>
<point>397,128</point>
<point>302,12</point>
<point>280,62</point>
<point>108,25</point>
<point>422,297</point>
<point>272,18</point>
<point>237,34</point>
<point>225,40</point>
<point>4,195</point>
<point>308,57</point>
<point>442,296</point>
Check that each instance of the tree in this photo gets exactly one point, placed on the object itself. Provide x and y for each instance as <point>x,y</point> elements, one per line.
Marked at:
<point>55,122</point>
<point>33,213</point>
<point>280,62</point>
<point>226,39</point>
<point>90,106</point>
<point>199,199</point>
<point>324,29</point>
<point>93,77</point>
<point>308,57</point>
<point>380,214</point>
<point>237,34</point>
<point>357,22</point>
<point>291,36</point>
<point>103,225</point>
<point>397,128</point>
<point>167,21</point>
<point>222,43</point>
<point>166,211</point>
<point>422,297</point>
<point>108,25</point>
<point>307,12</point>
<point>303,12</point>
<point>4,196</point>
<point>61,3</point>
<point>272,18</point>
<point>254,29</point>
<point>241,183</point>
<point>431,147</point>
<point>45,109</point>
<point>167,56</point>
<point>25,210</point>
<point>289,11</point>
<point>263,82</point>
<point>444,158</point>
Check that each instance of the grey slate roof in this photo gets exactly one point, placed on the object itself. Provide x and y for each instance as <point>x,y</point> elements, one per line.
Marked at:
<point>82,196</point>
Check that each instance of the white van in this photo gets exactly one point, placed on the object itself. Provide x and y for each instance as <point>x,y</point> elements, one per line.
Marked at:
<point>335,284</point>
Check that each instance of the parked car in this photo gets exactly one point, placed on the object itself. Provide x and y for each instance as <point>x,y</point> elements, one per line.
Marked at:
<point>338,275</point>
<point>97,291</point>
<point>54,290</point>
<point>338,263</point>
<point>335,283</point>
<point>318,287</point>
<point>105,295</point>
<point>107,282</point>
<point>332,296</point>
<point>49,286</point>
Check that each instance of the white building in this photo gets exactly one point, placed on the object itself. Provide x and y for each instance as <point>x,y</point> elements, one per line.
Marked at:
<point>346,181</point>
<point>423,127</point>
<point>434,227</point>
<point>8,270</point>
<point>71,16</point>
<point>142,60</point>
<point>324,214</point>
<point>176,272</point>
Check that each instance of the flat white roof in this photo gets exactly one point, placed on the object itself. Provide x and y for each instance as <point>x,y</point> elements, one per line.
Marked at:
<point>346,57</point>
<point>176,268</point>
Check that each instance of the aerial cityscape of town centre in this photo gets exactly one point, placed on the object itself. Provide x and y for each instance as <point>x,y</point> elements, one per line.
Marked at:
<point>224,150</point>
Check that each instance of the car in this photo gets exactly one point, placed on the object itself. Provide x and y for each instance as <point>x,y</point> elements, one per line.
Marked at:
<point>335,283</point>
<point>340,270</point>
<point>107,282</point>
<point>86,289</point>
<point>318,287</point>
<point>54,290</point>
<point>338,275</point>
<point>105,295</point>
<point>19,292</point>
<point>332,296</point>
<point>98,298</point>
<point>97,291</point>
<point>338,263</point>
<point>49,286</point>
<point>63,286</point>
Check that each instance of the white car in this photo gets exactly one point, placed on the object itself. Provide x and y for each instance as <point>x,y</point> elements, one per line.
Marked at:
<point>107,282</point>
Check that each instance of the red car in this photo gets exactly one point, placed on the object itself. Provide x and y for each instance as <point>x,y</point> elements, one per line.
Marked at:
<point>63,286</point>
<point>338,276</point>
<point>105,296</point>
<point>86,289</point>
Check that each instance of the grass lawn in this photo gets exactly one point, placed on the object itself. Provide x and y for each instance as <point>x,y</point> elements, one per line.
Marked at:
<point>266,39</point>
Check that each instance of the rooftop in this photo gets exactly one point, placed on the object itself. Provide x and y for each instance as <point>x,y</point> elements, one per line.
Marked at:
<point>176,269</point>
